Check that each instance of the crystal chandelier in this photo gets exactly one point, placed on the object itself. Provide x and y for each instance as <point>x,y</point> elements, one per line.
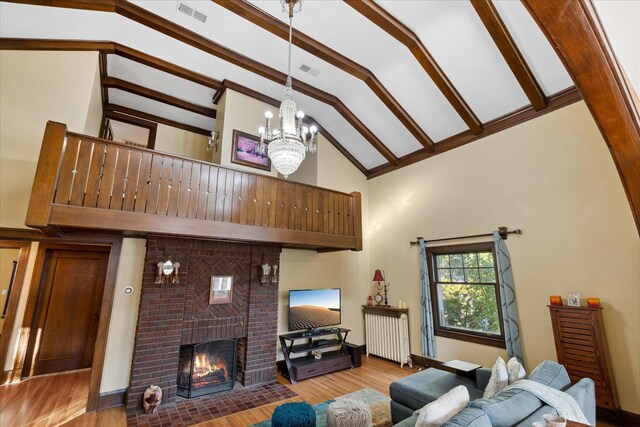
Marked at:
<point>286,145</point>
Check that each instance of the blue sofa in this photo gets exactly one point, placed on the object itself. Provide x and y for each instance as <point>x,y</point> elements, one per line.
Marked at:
<point>510,408</point>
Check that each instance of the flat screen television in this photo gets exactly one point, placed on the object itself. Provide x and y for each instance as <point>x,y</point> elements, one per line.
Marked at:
<point>313,308</point>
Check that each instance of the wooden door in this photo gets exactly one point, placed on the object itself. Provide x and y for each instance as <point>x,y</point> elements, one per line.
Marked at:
<point>67,311</point>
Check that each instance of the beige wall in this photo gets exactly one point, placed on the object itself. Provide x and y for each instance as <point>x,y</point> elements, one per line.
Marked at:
<point>93,122</point>
<point>182,143</point>
<point>7,256</point>
<point>554,178</point>
<point>124,316</point>
<point>245,114</point>
<point>36,87</point>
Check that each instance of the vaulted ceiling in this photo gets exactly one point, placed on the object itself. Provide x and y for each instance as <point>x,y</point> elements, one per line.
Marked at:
<point>390,82</point>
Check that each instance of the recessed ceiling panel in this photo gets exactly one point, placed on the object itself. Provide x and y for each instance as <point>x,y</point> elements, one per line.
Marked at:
<point>159,81</point>
<point>346,31</point>
<point>126,99</point>
<point>540,56</point>
<point>461,45</point>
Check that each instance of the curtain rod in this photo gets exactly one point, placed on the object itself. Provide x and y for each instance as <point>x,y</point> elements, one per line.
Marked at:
<point>503,231</point>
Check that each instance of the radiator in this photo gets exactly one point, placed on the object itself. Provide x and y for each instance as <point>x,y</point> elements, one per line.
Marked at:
<point>388,336</point>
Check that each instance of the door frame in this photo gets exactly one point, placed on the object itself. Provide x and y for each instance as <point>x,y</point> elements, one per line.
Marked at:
<point>14,298</point>
<point>114,242</point>
<point>35,294</point>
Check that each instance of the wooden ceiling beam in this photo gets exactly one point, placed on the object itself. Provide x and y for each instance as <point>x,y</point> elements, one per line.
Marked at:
<point>177,32</point>
<point>510,52</point>
<point>390,24</point>
<point>115,83</point>
<point>227,84</point>
<point>575,31</point>
<point>278,28</point>
<point>110,48</point>
<point>153,118</point>
<point>556,101</point>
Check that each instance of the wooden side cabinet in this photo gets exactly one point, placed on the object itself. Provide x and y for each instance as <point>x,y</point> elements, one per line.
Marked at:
<point>581,347</point>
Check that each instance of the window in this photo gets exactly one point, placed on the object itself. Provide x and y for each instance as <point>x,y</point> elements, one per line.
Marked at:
<point>465,294</point>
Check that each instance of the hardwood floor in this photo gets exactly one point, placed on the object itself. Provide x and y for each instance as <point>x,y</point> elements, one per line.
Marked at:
<point>60,399</point>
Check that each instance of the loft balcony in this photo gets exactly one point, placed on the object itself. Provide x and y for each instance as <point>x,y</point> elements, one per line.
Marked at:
<point>86,183</point>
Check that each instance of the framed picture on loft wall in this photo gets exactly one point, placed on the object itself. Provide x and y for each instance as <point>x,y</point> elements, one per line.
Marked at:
<point>245,151</point>
<point>221,290</point>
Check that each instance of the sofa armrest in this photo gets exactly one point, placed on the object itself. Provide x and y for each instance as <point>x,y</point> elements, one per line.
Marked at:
<point>482,378</point>
<point>584,393</point>
<point>469,417</point>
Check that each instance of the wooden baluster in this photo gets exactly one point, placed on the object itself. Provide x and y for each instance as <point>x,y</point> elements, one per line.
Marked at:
<point>82,170</point>
<point>325,211</point>
<point>185,189</point>
<point>144,183</point>
<point>320,211</point>
<point>314,212</point>
<point>94,175</point>
<point>108,174</point>
<point>351,215</point>
<point>175,188</point>
<point>285,205</point>
<point>203,192</point>
<point>67,171</point>
<point>357,220</point>
<point>292,204</point>
<point>244,199</point>
<point>259,199</point>
<point>251,200</point>
<point>301,214</point>
<point>228,195</point>
<point>266,193</point>
<point>273,195</point>
<point>133,175</point>
<point>120,178</point>
<point>215,175</point>
<point>164,186</point>
<point>332,214</point>
<point>221,189</point>
<point>194,194</point>
<point>309,208</point>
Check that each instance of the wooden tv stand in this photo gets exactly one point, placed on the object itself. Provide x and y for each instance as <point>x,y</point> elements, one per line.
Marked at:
<point>307,366</point>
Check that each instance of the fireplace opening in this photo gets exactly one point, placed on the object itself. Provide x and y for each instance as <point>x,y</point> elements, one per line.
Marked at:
<point>206,368</point>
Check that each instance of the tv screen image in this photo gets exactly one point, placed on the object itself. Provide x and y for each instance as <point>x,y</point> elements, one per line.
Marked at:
<point>313,308</point>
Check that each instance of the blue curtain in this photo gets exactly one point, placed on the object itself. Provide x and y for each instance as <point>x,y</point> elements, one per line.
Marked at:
<point>428,347</point>
<point>508,299</point>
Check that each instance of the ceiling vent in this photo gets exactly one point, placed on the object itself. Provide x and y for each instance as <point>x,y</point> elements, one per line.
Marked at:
<point>188,10</point>
<point>306,69</point>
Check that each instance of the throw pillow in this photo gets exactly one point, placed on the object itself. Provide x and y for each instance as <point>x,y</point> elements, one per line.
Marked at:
<point>499,379</point>
<point>515,370</point>
<point>438,412</point>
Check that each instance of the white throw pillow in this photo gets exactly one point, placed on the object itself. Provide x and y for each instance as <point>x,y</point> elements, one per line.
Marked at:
<point>515,370</point>
<point>499,379</point>
<point>438,412</point>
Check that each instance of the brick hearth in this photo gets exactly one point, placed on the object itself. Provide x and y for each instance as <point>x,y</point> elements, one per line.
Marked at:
<point>174,314</point>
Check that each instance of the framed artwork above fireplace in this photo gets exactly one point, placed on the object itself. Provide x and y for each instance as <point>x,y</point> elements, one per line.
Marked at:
<point>221,290</point>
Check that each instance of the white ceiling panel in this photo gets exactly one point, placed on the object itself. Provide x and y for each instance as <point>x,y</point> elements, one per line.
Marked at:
<point>540,56</point>
<point>391,62</point>
<point>146,105</point>
<point>271,50</point>
<point>461,45</point>
<point>160,81</point>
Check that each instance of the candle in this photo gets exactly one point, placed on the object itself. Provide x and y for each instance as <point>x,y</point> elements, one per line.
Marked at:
<point>593,302</point>
<point>555,300</point>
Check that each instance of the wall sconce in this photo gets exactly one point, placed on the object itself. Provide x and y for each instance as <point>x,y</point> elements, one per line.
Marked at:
<point>212,142</point>
<point>168,272</point>
<point>269,273</point>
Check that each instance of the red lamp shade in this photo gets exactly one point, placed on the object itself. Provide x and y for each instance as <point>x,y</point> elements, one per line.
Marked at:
<point>377,277</point>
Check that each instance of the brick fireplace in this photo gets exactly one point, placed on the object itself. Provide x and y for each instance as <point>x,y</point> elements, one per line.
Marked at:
<point>175,315</point>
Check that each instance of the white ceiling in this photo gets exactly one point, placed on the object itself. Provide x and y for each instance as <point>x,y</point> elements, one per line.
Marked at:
<point>451,31</point>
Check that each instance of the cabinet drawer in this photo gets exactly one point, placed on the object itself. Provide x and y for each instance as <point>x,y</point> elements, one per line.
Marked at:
<point>305,371</point>
<point>336,363</point>
<point>604,400</point>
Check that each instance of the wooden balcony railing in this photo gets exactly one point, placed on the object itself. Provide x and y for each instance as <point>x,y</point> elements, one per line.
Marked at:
<point>88,183</point>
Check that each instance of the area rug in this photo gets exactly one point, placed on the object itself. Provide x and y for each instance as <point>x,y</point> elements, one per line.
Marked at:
<point>376,401</point>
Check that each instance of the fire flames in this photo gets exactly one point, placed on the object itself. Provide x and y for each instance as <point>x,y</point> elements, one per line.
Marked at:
<point>206,371</point>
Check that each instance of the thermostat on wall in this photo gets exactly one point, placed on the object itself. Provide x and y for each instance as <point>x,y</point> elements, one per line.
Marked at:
<point>128,290</point>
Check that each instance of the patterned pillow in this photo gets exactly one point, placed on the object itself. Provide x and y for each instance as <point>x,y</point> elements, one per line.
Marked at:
<point>499,379</point>
<point>515,370</point>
